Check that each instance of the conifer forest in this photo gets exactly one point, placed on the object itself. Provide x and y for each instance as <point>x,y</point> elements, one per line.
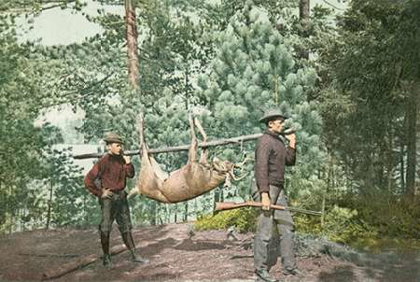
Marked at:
<point>345,72</point>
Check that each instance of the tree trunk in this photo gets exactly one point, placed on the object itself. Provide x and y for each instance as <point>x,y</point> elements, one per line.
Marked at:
<point>49,204</point>
<point>390,160</point>
<point>328,186</point>
<point>186,211</point>
<point>304,16</point>
<point>176,213</point>
<point>417,188</point>
<point>153,211</point>
<point>216,198</point>
<point>402,166</point>
<point>10,208</point>
<point>412,116</point>
<point>131,36</point>
<point>3,204</point>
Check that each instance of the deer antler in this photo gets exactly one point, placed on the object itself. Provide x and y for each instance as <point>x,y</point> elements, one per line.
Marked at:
<point>232,175</point>
<point>241,166</point>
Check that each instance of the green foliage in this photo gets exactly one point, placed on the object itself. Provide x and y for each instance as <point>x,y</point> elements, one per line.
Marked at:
<point>70,202</point>
<point>175,49</point>
<point>21,142</point>
<point>30,165</point>
<point>392,215</point>
<point>227,65</point>
<point>369,79</point>
<point>366,218</point>
<point>254,69</point>
<point>242,219</point>
<point>341,225</point>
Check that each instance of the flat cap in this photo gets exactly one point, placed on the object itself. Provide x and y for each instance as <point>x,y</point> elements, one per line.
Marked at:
<point>112,138</point>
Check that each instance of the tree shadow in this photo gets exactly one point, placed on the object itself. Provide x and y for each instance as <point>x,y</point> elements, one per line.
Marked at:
<point>157,247</point>
<point>149,232</point>
<point>339,274</point>
<point>384,267</point>
<point>397,267</point>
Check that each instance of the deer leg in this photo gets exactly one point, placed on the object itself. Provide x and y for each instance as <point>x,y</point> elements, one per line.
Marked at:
<point>142,150</point>
<point>192,153</point>
<point>204,152</point>
<point>200,129</point>
<point>143,146</point>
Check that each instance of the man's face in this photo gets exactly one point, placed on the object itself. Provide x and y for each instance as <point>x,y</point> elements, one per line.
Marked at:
<point>115,148</point>
<point>276,126</point>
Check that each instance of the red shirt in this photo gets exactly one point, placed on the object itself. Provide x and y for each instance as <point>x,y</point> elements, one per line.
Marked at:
<point>112,171</point>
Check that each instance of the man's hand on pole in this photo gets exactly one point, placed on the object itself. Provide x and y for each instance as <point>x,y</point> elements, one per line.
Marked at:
<point>265,200</point>
<point>127,159</point>
<point>292,140</point>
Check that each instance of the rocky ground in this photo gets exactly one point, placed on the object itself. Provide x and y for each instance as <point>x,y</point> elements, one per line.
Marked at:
<point>178,254</point>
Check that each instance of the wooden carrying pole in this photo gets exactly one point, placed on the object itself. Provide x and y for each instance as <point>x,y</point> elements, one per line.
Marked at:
<point>219,142</point>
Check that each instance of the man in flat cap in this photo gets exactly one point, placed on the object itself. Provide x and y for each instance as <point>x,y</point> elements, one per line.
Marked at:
<point>107,180</point>
<point>271,157</point>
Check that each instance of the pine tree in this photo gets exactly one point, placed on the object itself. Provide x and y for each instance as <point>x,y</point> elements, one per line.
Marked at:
<point>252,72</point>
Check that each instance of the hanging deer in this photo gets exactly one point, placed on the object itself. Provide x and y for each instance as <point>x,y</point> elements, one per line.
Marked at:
<point>193,179</point>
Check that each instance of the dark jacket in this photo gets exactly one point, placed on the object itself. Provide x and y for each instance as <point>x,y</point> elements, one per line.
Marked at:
<point>112,171</point>
<point>271,157</point>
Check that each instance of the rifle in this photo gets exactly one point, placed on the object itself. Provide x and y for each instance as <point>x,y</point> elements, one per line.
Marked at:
<point>221,206</point>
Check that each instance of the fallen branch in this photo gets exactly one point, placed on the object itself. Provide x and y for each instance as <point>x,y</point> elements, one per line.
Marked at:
<point>82,262</point>
<point>49,255</point>
<point>219,142</point>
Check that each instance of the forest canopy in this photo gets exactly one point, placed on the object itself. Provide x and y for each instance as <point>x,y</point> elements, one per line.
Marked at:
<point>348,79</point>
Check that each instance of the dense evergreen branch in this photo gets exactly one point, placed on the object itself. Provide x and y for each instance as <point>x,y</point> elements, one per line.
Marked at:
<point>20,7</point>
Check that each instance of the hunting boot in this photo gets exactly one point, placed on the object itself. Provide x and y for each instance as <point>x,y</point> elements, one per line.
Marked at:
<point>263,276</point>
<point>105,248</point>
<point>129,242</point>
<point>292,271</point>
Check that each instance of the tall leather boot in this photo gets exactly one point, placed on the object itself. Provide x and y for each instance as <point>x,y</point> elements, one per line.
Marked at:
<point>105,248</point>
<point>263,276</point>
<point>129,242</point>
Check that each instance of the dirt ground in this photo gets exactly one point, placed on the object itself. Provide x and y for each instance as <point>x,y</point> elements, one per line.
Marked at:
<point>175,255</point>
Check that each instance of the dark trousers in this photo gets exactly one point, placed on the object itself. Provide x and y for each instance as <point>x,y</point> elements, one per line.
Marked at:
<point>275,229</point>
<point>117,209</point>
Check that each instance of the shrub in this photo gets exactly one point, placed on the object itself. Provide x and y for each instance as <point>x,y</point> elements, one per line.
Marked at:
<point>243,220</point>
<point>392,215</point>
<point>342,225</point>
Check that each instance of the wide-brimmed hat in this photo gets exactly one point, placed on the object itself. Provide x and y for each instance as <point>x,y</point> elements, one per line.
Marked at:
<point>113,138</point>
<point>272,114</point>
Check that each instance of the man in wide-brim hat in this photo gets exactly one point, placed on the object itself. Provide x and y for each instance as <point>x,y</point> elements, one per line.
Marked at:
<point>271,157</point>
<point>272,114</point>
<point>111,171</point>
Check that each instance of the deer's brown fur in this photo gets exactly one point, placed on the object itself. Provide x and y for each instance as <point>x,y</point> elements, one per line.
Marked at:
<point>190,181</point>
